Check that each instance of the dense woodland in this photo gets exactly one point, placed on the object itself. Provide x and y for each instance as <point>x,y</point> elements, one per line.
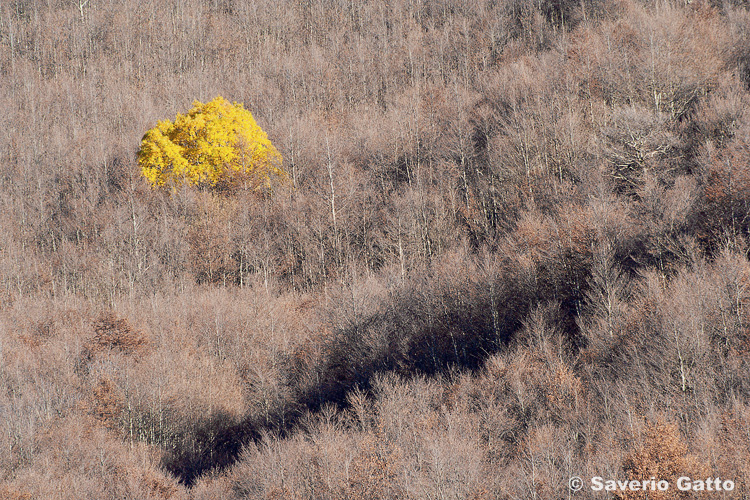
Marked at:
<point>512,248</point>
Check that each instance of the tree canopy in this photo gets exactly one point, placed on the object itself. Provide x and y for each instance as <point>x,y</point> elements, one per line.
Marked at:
<point>216,144</point>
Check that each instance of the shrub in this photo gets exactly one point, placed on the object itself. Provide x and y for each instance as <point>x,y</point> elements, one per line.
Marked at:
<point>214,145</point>
<point>113,332</point>
<point>664,456</point>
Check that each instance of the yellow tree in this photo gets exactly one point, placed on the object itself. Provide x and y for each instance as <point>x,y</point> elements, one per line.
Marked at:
<point>214,145</point>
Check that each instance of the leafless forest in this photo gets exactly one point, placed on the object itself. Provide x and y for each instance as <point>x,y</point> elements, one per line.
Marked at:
<point>513,248</point>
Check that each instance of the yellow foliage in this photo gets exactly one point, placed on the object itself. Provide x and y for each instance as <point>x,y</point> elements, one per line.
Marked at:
<point>214,144</point>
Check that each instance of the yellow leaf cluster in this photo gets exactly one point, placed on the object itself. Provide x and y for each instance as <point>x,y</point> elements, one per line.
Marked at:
<point>216,143</point>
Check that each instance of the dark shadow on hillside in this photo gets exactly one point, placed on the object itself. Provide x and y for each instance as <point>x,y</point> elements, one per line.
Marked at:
<point>421,332</point>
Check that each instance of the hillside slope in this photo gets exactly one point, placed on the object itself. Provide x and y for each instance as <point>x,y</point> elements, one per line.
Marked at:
<point>513,249</point>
